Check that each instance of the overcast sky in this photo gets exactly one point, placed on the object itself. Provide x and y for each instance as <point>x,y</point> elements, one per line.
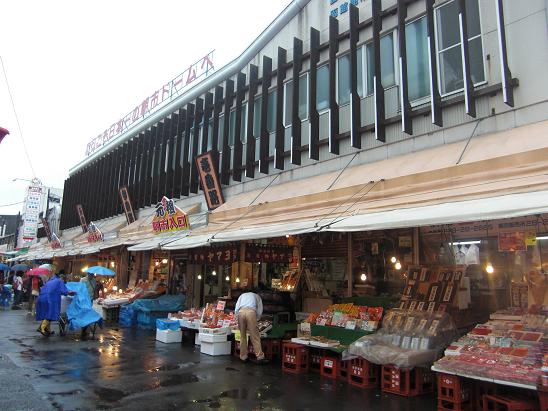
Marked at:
<point>74,68</point>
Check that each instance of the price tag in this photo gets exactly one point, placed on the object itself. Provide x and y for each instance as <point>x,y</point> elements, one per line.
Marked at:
<point>328,364</point>
<point>350,325</point>
<point>323,321</point>
<point>221,305</point>
<point>226,323</point>
<point>305,327</point>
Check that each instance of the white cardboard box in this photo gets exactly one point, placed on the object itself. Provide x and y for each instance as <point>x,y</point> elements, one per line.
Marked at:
<point>212,338</point>
<point>218,348</point>
<point>168,336</point>
<point>197,339</point>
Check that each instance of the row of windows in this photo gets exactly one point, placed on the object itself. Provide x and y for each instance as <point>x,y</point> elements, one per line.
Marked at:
<point>449,67</point>
<point>448,48</point>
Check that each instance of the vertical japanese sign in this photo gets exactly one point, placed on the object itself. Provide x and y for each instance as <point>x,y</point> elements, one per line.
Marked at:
<point>33,203</point>
<point>94,234</point>
<point>126,204</point>
<point>210,181</point>
<point>82,217</point>
<point>47,229</point>
<point>169,217</point>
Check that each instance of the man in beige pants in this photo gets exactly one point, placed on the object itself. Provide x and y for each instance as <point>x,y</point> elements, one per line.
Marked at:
<point>249,309</point>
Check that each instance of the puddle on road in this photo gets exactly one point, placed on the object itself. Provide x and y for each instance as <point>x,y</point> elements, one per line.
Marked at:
<point>109,394</point>
<point>178,379</point>
<point>67,393</point>
<point>172,367</point>
<point>236,394</point>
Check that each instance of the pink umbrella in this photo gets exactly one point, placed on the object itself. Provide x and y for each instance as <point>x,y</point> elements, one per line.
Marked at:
<point>36,272</point>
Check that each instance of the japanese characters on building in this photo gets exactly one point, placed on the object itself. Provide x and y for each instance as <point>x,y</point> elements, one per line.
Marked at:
<point>94,234</point>
<point>214,255</point>
<point>55,242</point>
<point>210,181</point>
<point>30,214</point>
<point>168,217</point>
<point>255,253</point>
<point>82,217</point>
<point>126,204</point>
<point>202,68</point>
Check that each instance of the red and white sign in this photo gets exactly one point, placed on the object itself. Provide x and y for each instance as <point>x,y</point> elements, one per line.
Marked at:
<point>94,234</point>
<point>169,217</point>
<point>202,68</point>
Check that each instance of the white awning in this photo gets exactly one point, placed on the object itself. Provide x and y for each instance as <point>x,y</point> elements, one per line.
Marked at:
<point>489,208</point>
<point>269,231</point>
<point>157,241</point>
<point>192,241</point>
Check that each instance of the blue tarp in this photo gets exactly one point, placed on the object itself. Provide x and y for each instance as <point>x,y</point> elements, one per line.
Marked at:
<point>80,312</point>
<point>168,303</point>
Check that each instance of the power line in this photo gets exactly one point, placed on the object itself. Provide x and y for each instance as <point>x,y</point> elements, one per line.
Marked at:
<point>17,118</point>
<point>8,205</point>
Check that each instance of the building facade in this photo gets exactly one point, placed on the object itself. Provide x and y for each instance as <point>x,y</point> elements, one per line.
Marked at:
<point>428,101</point>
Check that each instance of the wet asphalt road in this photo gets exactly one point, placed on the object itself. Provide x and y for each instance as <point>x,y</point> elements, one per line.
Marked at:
<point>128,370</point>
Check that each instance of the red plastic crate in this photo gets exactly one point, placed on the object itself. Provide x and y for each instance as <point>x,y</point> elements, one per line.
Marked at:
<point>294,358</point>
<point>344,367</point>
<point>480,388</point>
<point>508,403</point>
<point>408,383</point>
<point>453,388</point>
<point>444,405</point>
<point>543,397</point>
<point>315,355</point>
<point>329,367</point>
<point>363,374</point>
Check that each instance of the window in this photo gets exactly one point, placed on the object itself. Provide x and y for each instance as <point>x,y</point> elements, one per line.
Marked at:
<point>271,112</point>
<point>257,117</point>
<point>322,88</point>
<point>303,99</point>
<point>232,128</point>
<point>418,70</point>
<point>343,77</point>
<point>449,46</point>
<point>243,128</point>
<point>388,69</point>
<point>220,133</point>
<point>210,134</point>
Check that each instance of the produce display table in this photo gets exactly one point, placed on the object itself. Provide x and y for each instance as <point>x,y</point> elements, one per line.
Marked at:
<point>280,330</point>
<point>344,336</point>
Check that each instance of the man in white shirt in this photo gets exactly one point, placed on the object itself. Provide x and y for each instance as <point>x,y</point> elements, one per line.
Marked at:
<point>17,290</point>
<point>249,309</point>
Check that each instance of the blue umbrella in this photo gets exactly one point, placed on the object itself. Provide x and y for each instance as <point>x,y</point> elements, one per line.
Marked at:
<point>20,267</point>
<point>98,270</point>
<point>4,267</point>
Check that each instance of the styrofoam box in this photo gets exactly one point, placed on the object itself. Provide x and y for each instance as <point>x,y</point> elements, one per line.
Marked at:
<point>218,348</point>
<point>212,338</point>
<point>222,330</point>
<point>168,336</point>
<point>197,339</point>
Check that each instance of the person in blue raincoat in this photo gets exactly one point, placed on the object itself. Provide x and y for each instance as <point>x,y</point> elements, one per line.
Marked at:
<point>48,304</point>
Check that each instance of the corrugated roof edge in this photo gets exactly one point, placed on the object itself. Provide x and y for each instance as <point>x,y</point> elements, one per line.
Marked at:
<point>227,71</point>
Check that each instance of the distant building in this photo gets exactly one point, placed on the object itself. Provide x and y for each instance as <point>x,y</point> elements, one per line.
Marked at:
<point>8,231</point>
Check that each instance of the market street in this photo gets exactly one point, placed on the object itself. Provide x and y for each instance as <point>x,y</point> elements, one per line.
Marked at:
<point>128,369</point>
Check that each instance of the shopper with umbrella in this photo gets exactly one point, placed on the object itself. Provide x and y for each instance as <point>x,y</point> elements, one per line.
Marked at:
<point>34,283</point>
<point>4,269</point>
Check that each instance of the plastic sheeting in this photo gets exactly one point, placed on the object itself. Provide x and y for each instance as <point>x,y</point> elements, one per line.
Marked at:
<point>169,303</point>
<point>80,312</point>
<point>408,339</point>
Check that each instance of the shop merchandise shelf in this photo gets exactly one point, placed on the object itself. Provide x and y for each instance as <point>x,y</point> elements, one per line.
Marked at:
<point>294,358</point>
<point>509,403</point>
<point>363,374</point>
<point>408,383</point>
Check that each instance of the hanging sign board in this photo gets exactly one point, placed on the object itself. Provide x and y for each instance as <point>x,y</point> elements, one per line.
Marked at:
<point>210,181</point>
<point>213,255</point>
<point>169,217</point>
<point>94,234</point>
<point>512,241</point>
<point>47,229</point>
<point>82,217</point>
<point>55,242</point>
<point>126,204</point>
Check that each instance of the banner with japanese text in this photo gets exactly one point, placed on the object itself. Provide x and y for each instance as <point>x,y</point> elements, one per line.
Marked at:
<point>168,217</point>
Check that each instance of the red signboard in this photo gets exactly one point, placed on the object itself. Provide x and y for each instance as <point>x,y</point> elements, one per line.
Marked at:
<point>82,217</point>
<point>169,217</point>
<point>214,255</point>
<point>512,241</point>
<point>94,234</point>
<point>210,181</point>
<point>126,204</point>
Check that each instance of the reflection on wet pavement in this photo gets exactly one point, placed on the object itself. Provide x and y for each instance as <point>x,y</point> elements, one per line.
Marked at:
<point>128,369</point>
